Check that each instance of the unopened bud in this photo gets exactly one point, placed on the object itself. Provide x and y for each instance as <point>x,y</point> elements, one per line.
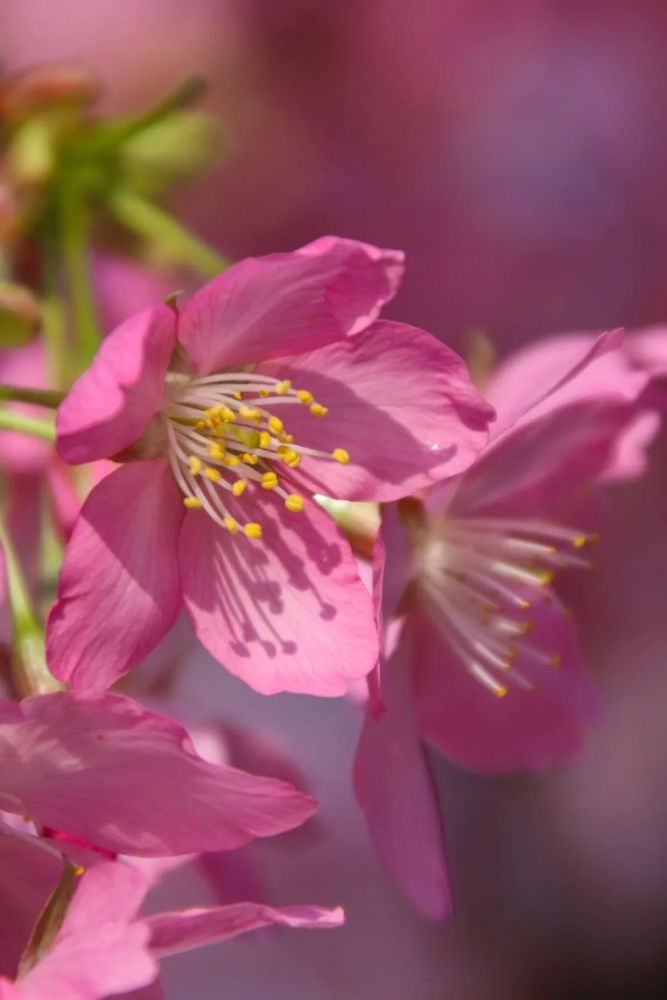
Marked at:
<point>169,150</point>
<point>20,315</point>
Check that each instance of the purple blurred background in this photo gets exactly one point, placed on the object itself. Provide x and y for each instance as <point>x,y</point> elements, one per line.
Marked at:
<point>517,151</point>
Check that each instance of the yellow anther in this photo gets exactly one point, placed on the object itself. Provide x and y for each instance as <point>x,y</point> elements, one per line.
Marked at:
<point>253,530</point>
<point>288,456</point>
<point>579,541</point>
<point>264,439</point>
<point>216,451</point>
<point>318,410</point>
<point>192,503</point>
<point>231,525</point>
<point>79,869</point>
<point>285,438</point>
<point>556,660</point>
<point>228,416</point>
<point>305,396</point>
<point>239,486</point>
<point>500,691</point>
<point>196,465</point>
<point>506,665</point>
<point>275,424</point>
<point>250,413</point>
<point>283,387</point>
<point>263,393</point>
<point>249,459</point>
<point>238,394</point>
<point>294,503</point>
<point>215,411</point>
<point>546,577</point>
<point>213,475</point>
<point>231,460</point>
<point>269,481</point>
<point>200,425</point>
<point>340,455</point>
<point>523,604</point>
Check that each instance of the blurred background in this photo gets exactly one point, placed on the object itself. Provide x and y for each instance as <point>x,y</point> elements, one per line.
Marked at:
<point>517,151</point>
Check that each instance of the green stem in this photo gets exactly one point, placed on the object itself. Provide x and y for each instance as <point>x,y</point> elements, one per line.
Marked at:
<point>109,137</point>
<point>10,420</point>
<point>53,313</point>
<point>31,675</point>
<point>74,236</point>
<point>164,232</point>
<point>50,398</point>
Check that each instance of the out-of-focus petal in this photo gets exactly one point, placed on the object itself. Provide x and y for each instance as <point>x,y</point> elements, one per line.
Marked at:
<point>394,787</point>
<point>118,590</point>
<point>180,931</point>
<point>110,405</point>
<point>400,403</point>
<point>287,613</point>
<point>264,307</point>
<point>127,780</point>
<point>25,367</point>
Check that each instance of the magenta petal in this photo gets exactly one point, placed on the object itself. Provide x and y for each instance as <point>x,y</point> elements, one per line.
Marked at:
<point>394,787</point>
<point>264,307</point>
<point>526,729</point>
<point>118,590</point>
<point>181,931</point>
<point>540,466</point>
<point>100,949</point>
<point>287,613</point>
<point>26,367</point>
<point>110,405</point>
<point>124,779</point>
<point>400,403</point>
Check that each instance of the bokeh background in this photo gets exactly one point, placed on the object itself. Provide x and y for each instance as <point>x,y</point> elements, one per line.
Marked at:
<point>517,151</point>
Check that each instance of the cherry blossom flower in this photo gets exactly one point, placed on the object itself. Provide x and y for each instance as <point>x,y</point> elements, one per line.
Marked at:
<point>102,945</point>
<point>275,381</point>
<point>481,658</point>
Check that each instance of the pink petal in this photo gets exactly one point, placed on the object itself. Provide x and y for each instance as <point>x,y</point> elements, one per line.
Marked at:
<point>181,931</point>
<point>263,307</point>
<point>287,613</point>
<point>124,779</point>
<point>561,370</point>
<point>29,872</point>
<point>21,453</point>
<point>100,948</point>
<point>541,466</point>
<point>525,730</point>
<point>111,404</point>
<point>400,403</point>
<point>118,590</point>
<point>394,787</point>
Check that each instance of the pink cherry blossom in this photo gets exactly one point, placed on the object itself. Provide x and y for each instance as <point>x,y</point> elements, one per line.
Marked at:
<point>275,381</point>
<point>496,679</point>
<point>103,945</point>
<point>104,771</point>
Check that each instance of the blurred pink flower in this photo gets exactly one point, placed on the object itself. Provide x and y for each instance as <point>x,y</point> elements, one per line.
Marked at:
<point>103,945</point>
<point>485,666</point>
<point>106,772</point>
<point>194,400</point>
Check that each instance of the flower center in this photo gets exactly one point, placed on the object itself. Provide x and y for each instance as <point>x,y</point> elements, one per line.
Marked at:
<point>482,576</point>
<point>223,437</point>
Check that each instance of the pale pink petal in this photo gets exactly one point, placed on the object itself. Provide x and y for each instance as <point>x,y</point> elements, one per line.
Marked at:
<point>400,403</point>
<point>629,458</point>
<point>394,787</point>
<point>111,404</point>
<point>648,349</point>
<point>126,780</point>
<point>118,590</point>
<point>264,307</point>
<point>100,948</point>
<point>561,370</point>
<point>524,730</point>
<point>181,931</point>
<point>287,613</point>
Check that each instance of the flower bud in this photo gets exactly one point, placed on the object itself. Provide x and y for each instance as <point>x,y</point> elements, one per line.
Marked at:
<point>44,88</point>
